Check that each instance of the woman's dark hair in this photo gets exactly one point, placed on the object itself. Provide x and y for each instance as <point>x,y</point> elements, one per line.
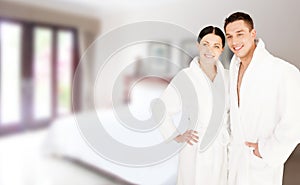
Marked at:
<point>239,16</point>
<point>211,29</point>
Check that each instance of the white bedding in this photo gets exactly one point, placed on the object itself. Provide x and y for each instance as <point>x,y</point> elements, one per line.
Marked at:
<point>64,138</point>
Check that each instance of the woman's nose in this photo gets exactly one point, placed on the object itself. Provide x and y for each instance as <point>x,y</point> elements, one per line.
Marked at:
<point>210,49</point>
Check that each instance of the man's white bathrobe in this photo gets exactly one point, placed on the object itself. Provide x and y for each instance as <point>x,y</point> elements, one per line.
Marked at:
<point>210,166</point>
<point>269,113</point>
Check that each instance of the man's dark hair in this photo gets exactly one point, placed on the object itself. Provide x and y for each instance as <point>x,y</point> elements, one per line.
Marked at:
<point>210,29</point>
<point>239,16</point>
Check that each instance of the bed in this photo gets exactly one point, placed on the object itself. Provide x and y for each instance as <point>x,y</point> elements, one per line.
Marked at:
<point>64,139</point>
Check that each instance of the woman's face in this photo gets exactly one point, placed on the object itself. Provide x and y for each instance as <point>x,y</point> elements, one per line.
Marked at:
<point>210,48</point>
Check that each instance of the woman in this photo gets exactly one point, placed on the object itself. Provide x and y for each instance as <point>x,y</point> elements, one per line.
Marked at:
<point>195,167</point>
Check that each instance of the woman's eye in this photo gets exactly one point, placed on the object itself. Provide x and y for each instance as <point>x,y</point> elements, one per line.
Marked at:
<point>218,47</point>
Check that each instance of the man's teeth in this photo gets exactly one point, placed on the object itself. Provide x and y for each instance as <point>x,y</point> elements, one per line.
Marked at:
<point>237,48</point>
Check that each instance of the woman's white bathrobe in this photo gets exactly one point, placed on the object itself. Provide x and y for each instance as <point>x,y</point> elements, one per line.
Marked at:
<point>210,166</point>
<point>269,113</point>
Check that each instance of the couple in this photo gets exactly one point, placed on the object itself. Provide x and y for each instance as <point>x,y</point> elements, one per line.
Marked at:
<point>264,127</point>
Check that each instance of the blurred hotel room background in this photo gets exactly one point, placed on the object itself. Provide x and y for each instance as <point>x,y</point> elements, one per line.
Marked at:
<point>41,44</point>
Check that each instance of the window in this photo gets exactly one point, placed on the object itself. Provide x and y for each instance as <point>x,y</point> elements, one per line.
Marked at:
<point>10,72</point>
<point>64,71</point>
<point>42,76</point>
<point>37,63</point>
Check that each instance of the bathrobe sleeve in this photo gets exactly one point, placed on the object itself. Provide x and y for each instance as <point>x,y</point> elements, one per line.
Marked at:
<point>227,107</point>
<point>172,101</point>
<point>226,81</point>
<point>277,148</point>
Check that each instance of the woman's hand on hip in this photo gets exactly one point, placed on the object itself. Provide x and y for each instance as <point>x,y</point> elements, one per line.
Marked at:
<point>189,136</point>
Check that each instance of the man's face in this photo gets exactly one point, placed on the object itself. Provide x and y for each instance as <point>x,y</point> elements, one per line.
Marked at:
<point>240,39</point>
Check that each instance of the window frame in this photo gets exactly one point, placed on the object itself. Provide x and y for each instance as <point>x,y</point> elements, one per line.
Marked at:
<point>27,75</point>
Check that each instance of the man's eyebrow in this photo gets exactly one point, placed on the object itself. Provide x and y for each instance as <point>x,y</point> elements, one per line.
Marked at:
<point>240,31</point>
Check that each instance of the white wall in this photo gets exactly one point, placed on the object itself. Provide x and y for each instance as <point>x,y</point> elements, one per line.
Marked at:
<point>276,21</point>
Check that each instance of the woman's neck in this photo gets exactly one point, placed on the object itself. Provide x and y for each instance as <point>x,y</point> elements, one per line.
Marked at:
<point>210,69</point>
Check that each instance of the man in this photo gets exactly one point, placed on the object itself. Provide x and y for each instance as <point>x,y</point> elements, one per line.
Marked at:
<point>264,110</point>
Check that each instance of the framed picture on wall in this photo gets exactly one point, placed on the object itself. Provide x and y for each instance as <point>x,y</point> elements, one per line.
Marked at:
<point>159,57</point>
<point>188,51</point>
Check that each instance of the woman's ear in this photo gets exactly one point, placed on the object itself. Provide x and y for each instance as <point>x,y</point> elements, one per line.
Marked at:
<point>198,45</point>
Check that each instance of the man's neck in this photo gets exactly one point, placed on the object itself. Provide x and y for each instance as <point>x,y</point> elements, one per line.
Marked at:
<point>245,61</point>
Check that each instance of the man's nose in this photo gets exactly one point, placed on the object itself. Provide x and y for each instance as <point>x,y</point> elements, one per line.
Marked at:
<point>234,40</point>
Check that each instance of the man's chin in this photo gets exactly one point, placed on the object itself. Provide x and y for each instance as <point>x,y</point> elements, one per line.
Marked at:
<point>238,54</point>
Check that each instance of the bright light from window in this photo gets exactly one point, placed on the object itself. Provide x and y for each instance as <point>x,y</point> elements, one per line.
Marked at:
<point>42,73</point>
<point>64,67</point>
<point>10,72</point>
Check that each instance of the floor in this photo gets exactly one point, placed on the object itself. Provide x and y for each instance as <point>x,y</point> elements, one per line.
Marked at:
<point>21,163</point>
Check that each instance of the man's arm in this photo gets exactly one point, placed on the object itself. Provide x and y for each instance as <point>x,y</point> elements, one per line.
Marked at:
<point>277,148</point>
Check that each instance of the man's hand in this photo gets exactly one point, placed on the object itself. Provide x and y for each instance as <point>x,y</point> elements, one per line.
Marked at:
<point>190,136</point>
<point>255,148</point>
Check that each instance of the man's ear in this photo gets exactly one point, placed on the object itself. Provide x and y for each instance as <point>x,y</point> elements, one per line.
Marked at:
<point>253,33</point>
